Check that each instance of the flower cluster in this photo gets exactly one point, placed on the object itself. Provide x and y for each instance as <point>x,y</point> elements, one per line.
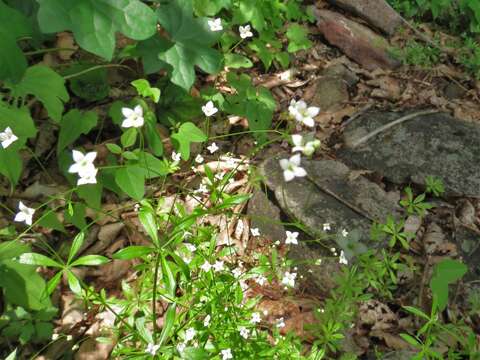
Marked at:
<point>302,113</point>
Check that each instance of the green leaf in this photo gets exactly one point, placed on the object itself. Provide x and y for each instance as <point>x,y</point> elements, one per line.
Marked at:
<point>146,215</point>
<point>73,283</point>
<point>92,85</point>
<point>14,25</point>
<point>152,166</point>
<point>53,282</point>
<point>114,148</point>
<point>298,38</point>
<point>13,354</point>
<point>78,216</point>
<point>236,61</point>
<point>11,165</point>
<point>129,137</point>
<point>90,260</point>
<point>92,194</point>
<point>250,11</point>
<point>95,22</point>
<point>38,259</point>
<point>11,249</point>
<point>131,179</point>
<point>210,7</point>
<point>132,252</point>
<point>23,286</point>
<point>144,89</point>
<point>76,245</point>
<point>188,133</point>
<point>152,135</point>
<point>46,85</point>
<point>168,277</point>
<point>168,323</point>
<point>445,273</point>
<point>50,220</point>
<point>191,39</point>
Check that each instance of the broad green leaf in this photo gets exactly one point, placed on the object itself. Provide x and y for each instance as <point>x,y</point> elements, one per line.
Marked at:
<point>445,273</point>
<point>236,61</point>
<point>131,179</point>
<point>38,259</point>
<point>114,148</point>
<point>210,7</point>
<point>78,216</point>
<point>132,252</point>
<point>92,194</point>
<point>20,121</point>
<point>95,22</point>
<point>50,220</point>
<point>11,165</point>
<point>11,249</point>
<point>14,25</point>
<point>90,260</point>
<point>144,89</point>
<point>76,245</point>
<point>152,166</point>
<point>249,11</point>
<point>92,85</point>
<point>74,124</point>
<point>152,135</point>
<point>187,133</point>
<point>298,38</point>
<point>191,39</point>
<point>23,286</point>
<point>129,137</point>
<point>46,85</point>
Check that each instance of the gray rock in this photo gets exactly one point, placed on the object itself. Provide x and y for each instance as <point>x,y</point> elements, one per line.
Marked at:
<point>265,216</point>
<point>454,91</point>
<point>376,12</point>
<point>330,93</point>
<point>343,72</point>
<point>435,144</point>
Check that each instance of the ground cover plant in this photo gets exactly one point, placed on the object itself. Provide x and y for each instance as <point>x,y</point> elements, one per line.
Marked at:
<point>131,136</point>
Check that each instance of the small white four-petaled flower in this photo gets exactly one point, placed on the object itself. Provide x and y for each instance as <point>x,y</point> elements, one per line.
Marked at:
<point>244,332</point>
<point>307,148</point>
<point>227,354</point>
<point>291,168</point>
<point>84,167</point>
<point>289,279</point>
<point>255,318</point>
<point>255,232</point>
<point>88,178</point>
<point>342,259</point>
<point>190,334</point>
<point>218,266</point>
<point>245,31</point>
<point>215,24</point>
<point>206,266</point>
<point>291,237</point>
<point>212,148</point>
<point>152,349</point>
<point>326,227</point>
<point>280,323</point>
<point>302,113</point>
<point>133,117</point>
<point>344,233</point>
<point>209,108</point>
<point>199,159</point>
<point>25,214</point>
<point>7,137</point>
<point>206,321</point>
<point>176,156</point>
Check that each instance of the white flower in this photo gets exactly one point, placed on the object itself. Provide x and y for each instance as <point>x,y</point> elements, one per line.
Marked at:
<point>206,321</point>
<point>83,163</point>
<point>190,334</point>
<point>342,259</point>
<point>89,177</point>
<point>190,247</point>
<point>219,176</point>
<point>25,214</point>
<point>255,232</point>
<point>280,323</point>
<point>133,118</point>
<point>244,332</point>
<point>318,262</point>
<point>302,113</point>
<point>326,227</point>
<point>291,238</point>
<point>212,148</point>
<point>215,24</point>
<point>245,31</point>
<point>209,108</point>
<point>260,280</point>
<point>255,318</point>
<point>199,159</point>
<point>136,207</point>
<point>227,354</point>
<point>306,148</point>
<point>181,347</point>
<point>152,349</point>
<point>176,157</point>
<point>218,266</point>
<point>289,279</point>
<point>344,233</point>
<point>55,336</point>
<point>7,137</point>
<point>202,189</point>
<point>69,338</point>
<point>291,168</point>
<point>237,272</point>
<point>206,266</point>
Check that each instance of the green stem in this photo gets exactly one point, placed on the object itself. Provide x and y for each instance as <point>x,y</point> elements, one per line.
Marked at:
<point>43,51</point>
<point>97,67</point>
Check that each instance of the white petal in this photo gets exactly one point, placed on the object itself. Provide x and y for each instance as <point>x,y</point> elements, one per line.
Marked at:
<point>284,164</point>
<point>299,172</point>
<point>127,112</point>
<point>20,217</point>
<point>288,175</point>
<point>308,121</point>
<point>313,111</point>
<point>77,156</point>
<point>90,157</point>
<point>138,122</point>
<point>7,142</point>
<point>21,206</point>
<point>127,123</point>
<point>138,110</point>
<point>301,105</point>
<point>296,159</point>
<point>297,139</point>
